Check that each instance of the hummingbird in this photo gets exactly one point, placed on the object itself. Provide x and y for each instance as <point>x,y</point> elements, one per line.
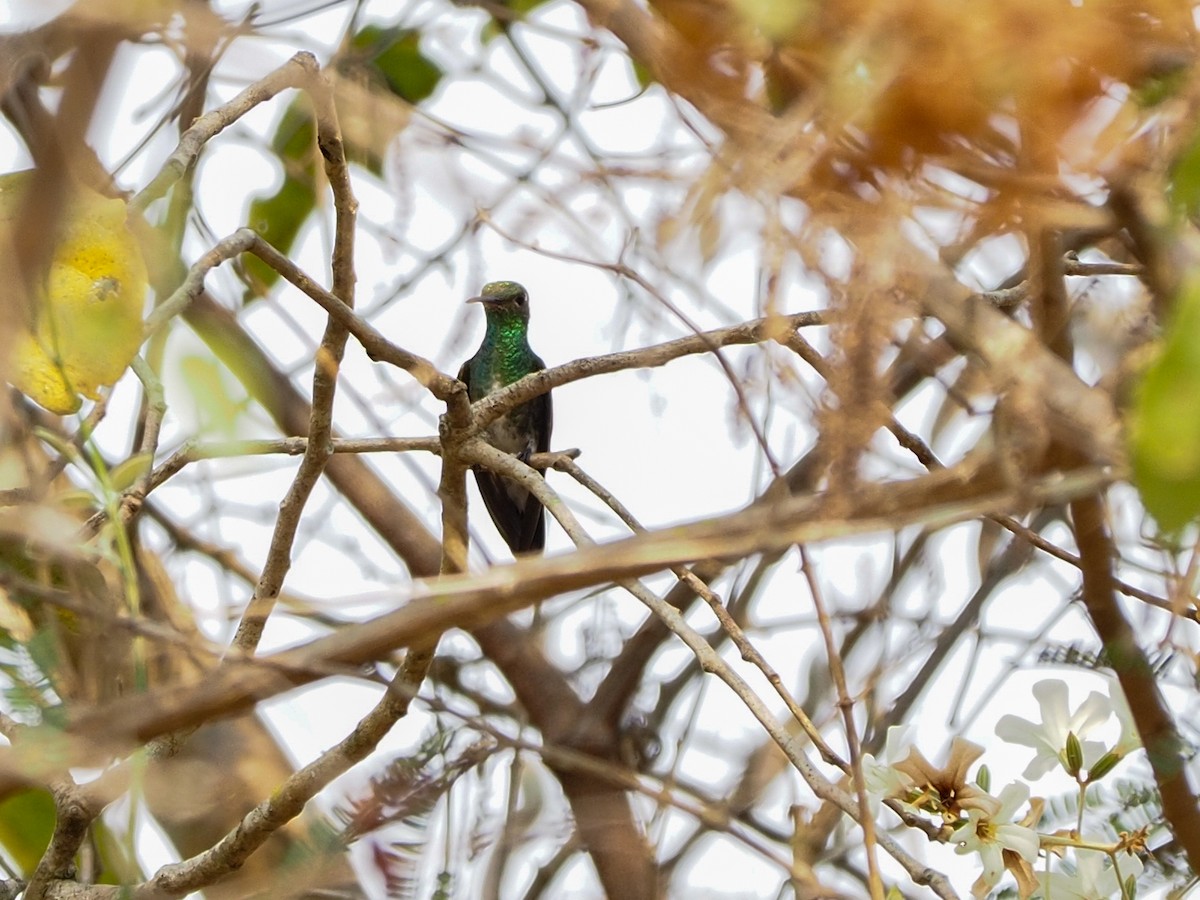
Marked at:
<point>503,357</point>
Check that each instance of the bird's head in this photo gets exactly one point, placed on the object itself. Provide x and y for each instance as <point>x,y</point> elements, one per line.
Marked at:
<point>504,299</point>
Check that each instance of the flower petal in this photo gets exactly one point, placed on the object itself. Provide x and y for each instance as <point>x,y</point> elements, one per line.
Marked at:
<point>1051,696</point>
<point>1020,840</point>
<point>1093,713</point>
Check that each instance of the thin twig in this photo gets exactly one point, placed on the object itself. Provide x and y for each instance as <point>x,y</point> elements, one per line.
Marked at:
<point>285,803</point>
<point>711,661</point>
<point>846,705</point>
<point>623,271</point>
<point>297,72</point>
<point>328,360</point>
<point>745,647</point>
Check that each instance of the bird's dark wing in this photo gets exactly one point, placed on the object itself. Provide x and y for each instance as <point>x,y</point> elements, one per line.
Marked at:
<point>464,374</point>
<point>533,514</point>
<point>498,495</point>
<point>546,407</point>
<point>510,507</point>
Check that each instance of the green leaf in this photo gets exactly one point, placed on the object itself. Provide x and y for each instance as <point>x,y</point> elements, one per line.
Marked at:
<point>1165,423</point>
<point>774,19</point>
<point>279,217</point>
<point>395,54</point>
<point>216,407</point>
<point>1184,182</point>
<point>43,649</point>
<point>641,73</point>
<point>391,57</point>
<point>118,858</point>
<point>296,137</point>
<point>495,27</point>
<point>123,475</point>
<point>1161,86</point>
<point>26,824</point>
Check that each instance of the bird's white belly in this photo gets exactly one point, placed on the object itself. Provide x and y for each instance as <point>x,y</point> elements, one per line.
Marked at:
<point>502,435</point>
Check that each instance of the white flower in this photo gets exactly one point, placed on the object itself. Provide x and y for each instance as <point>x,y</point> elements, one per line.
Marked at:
<point>991,835</point>
<point>1129,740</point>
<point>881,778</point>
<point>1095,878</point>
<point>1049,739</point>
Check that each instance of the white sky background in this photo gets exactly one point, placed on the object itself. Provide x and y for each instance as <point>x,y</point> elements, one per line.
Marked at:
<point>662,441</point>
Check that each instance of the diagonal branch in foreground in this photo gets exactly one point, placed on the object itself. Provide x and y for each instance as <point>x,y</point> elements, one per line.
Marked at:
<point>1165,748</point>
<point>935,500</point>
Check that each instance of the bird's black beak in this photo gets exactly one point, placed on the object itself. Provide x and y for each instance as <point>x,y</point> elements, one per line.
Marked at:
<point>481,299</point>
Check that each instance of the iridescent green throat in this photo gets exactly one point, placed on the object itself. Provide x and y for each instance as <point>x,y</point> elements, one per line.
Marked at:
<point>508,356</point>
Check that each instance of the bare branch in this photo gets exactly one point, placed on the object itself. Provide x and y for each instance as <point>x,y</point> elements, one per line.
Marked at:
<point>470,601</point>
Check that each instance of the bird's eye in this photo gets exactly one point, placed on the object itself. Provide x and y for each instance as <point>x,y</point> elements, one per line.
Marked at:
<point>521,298</point>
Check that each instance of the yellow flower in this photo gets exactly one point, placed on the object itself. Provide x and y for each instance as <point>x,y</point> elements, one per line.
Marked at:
<point>87,307</point>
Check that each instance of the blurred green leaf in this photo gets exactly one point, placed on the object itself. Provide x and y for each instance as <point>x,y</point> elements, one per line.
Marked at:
<point>123,475</point>
<point>118,857</point>
<point>641,73</point>
<point>216,407</point>
<point>295,139</point>
<point>279,217</point>
<point>390,57</point>
<point>1184,181</point>
<point>395,54</point>
<point>773,19</point>
<point>26,824</point>
<point>43,649</point>
<point>495,27</point>
<point>1165,425</point>
<point>383,75</point>
<point>1160,87</point>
